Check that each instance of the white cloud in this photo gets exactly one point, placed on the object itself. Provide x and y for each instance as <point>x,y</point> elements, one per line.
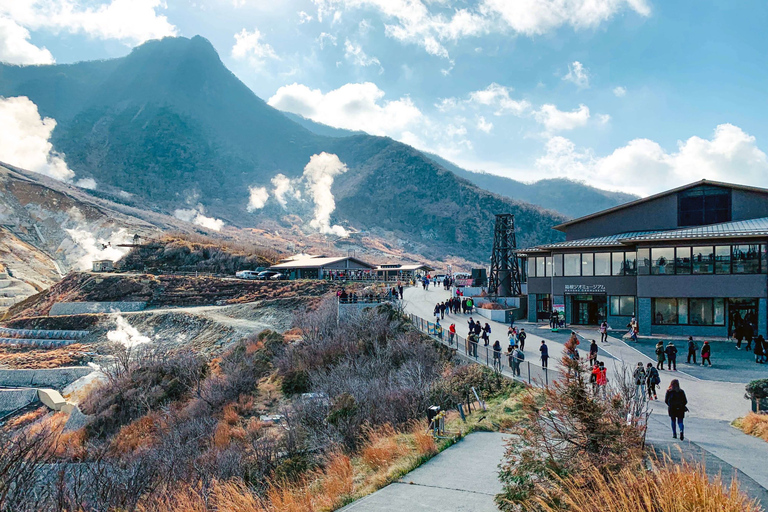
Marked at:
<point>325,36</point>
<point>352,106</point>
<point>555,120</point>
<point>483,125</point>
<point>497,96</point>
<point>429,25</point>
<point>15,47</point>
<point>603,118</point>
<point>319,174</point>
<point>88,183</point>
<point>249,47</point>
<point>578,75</point>
<point>619,91</point>
<point>196,216</point>
<point>257,199</point>
<point>304,18</point>
<point>25,140</point>
<point>644,167</point>
<point>355,54</point>
<point>129,21</point>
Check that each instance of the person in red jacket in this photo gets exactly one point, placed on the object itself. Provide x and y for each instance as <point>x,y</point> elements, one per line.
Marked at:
<point>706,353</point>
<point>451,334</point>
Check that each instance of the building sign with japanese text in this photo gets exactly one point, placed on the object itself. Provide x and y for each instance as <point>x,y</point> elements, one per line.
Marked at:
<point>584,289</point>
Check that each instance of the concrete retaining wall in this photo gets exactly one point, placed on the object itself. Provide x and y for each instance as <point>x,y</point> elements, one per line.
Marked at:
<point>12,399</point>
<point>56,378</point>
<point>42,334</point>
<point>84,308</point>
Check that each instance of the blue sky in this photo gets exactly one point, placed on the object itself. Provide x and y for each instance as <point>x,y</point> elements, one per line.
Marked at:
<point>636,95</point>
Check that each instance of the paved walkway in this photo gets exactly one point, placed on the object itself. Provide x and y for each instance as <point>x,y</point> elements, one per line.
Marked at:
<point>713,404</point>
<point>462,478</point>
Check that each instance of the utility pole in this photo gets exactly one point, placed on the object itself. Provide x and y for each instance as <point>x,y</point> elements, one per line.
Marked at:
<point>505,279</point>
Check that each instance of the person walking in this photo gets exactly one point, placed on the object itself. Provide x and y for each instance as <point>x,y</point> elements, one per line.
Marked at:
<point>497,356</point>
<point>486,334</point>
<point>519,356</point>
<point>593,353</point>
<point>692,349</point>
<point>472,342</point>
<point>677,407</point>
<point>706,353</point>
<point>602,378</point>
<point>521,339</point>
<point>640,381</point>
<point>544,349</point>
<point>604,332</point>
<point>452,334</point>
<point>660,355</point>
<point>511,358</point>
<point>442,310</point>
<point>671,352</point>
<point>436,312</point>
<point>759,348</point>
<point>471,324</point>
<point>653,380</point>
<point>400,289</point>
<point>512,337</point>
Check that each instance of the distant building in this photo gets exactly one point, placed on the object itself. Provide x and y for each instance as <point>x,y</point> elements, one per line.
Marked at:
<point>103,266</point>
<point>320,267</point>
<point>689,261</point>
<point>395,271</point>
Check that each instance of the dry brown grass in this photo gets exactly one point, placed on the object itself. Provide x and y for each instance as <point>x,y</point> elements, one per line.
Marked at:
<point>71,445</point>
<point>383,447</point>
<point>754,425</point>
<point>21,357</point>
<point>27,418</point>
<point>138,435</point>
<point>422,439</point>
<point>669,488</point>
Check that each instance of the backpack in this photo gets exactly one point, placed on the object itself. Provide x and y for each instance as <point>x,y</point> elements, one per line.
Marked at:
<point>520,355</point>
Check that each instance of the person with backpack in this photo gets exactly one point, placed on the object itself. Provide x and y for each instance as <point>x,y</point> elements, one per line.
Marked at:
<point>653,380</point>
<point>660,358</point>
<point>604,332</point>
<point>512,336</point>
<point>706,353</point>
<point>676,407</point>
<point>593,353</point>
<point>452,334</point>
<point>640,381</point>
<point>518,356</point>
<point>521,339</point>
<point>671,352</point>
<point>691,350</point>
<point>544,349</point>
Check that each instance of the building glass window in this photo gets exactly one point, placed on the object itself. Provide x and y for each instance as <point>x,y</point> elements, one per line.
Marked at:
<point>763,259</point>
<point>573,264</point>
<point>531,264</point>
<point>701,312</point>
<point>746,259</point>
<point>719,315</point>
<point>602,263</point>
<point>683,260</point>
<point>587,264</point>
<point>617,265</point>
<point>662,261</point>
<point>540,267</point>
<point>622,305</point>
<point>682,311</point>
<point>703,260</point>
<point>703,205</point>
<point>643,262</point>
<point>558,269</point>
<point>664,311</point>
<point>723,259</point>
<point>630,263</point>
<point>548,266</point>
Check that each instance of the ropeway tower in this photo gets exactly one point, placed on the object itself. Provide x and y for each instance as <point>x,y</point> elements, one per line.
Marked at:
<point>505,279</point>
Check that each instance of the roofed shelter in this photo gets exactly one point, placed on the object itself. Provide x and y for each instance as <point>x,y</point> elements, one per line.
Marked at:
<point>395,271</point>
<point>319,267</point>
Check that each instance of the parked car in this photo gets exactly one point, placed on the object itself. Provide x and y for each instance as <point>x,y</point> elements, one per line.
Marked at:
<point>267,274</point>
<point>247,274</point>
<point>278,277</point>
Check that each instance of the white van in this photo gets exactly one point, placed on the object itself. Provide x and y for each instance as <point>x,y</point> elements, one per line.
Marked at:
<point>246,274</point>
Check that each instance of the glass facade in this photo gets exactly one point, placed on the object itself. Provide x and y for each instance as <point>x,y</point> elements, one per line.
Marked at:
<point>703,260</point>
<point>540,267</point>
<point>587,264</point>
<point>745,259</point>
<point>683,260</point>
<point>630,263</point>
<point>572,264</point>
<point>703,205</point>
<point>643,261</point>
<point>698,311</point>
<point>622,305</point>
<point>662,261</point>
<point>557,270</point>
<point>602,263</point>
<point>723,259</point>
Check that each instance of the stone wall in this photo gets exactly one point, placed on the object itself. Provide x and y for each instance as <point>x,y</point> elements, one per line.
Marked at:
<point>56,378</point>
<point>84,308</point>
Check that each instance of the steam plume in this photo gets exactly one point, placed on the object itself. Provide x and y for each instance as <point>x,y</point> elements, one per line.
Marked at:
<point>319,174</point>
<point>258,198</point>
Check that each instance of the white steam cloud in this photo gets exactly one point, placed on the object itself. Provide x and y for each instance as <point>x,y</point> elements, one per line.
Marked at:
<point>197,216</point>
<point>93,248</point>
<point>88,183</point>
<point>284,187</point>
<point>25,140</point>
<point>319,174</point>
<point>258,198</point>
<point>126,334</point>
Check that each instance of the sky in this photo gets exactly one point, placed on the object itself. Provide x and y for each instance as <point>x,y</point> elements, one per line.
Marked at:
<point>631,95</point>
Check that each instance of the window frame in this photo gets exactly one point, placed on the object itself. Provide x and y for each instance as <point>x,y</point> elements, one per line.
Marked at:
<point>571,256</point>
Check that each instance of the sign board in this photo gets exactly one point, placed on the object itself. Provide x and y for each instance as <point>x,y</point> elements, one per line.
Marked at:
<point>559,307</point>
<point>584,289</point>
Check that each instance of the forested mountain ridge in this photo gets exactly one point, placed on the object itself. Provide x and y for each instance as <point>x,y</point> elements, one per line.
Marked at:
<point>171,124</point>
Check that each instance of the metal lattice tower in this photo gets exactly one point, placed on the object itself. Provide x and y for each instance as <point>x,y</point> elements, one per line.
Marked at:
<point>505,279</point>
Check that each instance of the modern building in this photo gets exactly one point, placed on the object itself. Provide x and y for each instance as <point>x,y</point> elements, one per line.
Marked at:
<point>103,266</point>
<point>395,271</point>
<point>688,261</point>
<point>321,267</point>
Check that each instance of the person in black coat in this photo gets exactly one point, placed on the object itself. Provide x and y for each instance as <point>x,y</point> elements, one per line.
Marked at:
<point>676,406</point>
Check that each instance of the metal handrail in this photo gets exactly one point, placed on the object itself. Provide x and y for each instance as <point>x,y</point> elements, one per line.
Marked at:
<point>521,370</point>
